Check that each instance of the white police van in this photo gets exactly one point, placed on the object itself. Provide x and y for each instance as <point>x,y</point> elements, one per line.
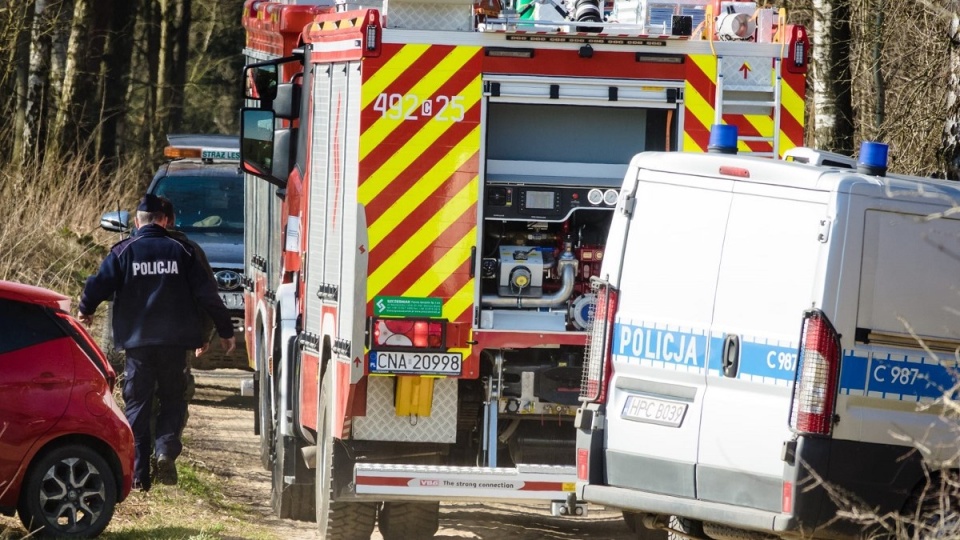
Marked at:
<point>765,329</point>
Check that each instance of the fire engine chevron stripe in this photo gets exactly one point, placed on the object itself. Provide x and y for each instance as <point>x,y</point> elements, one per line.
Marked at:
<point>385,74</point>
<point>404,254</point>
<point>422,91</point>
<point>449,279</point>
<point>444,266</point>
<point>792,112</point>
<point>412,198</point>
<point>377,182</point>
<point>698,100</point>
<point>460,305</point>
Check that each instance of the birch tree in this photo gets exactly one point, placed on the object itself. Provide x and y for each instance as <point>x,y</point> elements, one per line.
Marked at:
<point>950,147</point>
<point>35,110</point>
<point>832,104</point>
<point>20,57</point>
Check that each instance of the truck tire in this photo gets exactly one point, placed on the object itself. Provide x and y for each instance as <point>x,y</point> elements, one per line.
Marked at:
<point>337,520</point>
<point>687,528</point>
<point>635,522</point>
<point>409,520</point>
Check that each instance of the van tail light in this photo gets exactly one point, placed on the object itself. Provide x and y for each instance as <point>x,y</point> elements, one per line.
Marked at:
<point>407,333</point>
<point>90,347</point>
<point>815,382</point>
<point>597,356</point>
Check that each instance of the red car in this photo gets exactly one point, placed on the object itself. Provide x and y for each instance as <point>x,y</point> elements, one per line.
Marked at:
<point>66,450</point>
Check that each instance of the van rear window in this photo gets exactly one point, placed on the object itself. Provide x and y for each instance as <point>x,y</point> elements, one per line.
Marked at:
<point>910,275</point>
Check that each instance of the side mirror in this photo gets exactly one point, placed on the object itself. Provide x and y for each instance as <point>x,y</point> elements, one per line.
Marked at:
<point>260,81</point>
<point>117,221</point>
<point>258,144</point>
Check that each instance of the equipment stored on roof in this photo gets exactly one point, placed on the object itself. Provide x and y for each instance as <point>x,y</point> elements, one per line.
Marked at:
<point>430,185</point>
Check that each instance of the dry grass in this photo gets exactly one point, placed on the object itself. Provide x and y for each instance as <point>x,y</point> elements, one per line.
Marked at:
<point>196,509</point>
<point>50,235</point>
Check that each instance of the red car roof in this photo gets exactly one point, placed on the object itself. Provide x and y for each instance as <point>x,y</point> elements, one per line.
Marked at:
<point>34,295</point>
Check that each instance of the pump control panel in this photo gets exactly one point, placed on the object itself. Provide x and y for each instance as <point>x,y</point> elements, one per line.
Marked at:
<point>544,203</point>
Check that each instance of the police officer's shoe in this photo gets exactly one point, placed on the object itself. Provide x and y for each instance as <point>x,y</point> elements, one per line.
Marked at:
<point>140,486</point>
<point>166,470</point>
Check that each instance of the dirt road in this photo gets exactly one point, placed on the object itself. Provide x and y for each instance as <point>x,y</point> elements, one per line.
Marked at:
<point>219,437</point>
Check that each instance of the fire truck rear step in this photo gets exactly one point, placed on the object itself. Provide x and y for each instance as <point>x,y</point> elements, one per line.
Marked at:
<point>527,482</point>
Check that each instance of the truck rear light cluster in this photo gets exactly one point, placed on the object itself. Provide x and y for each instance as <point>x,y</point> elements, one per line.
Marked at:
<point>596,368</point>
<point>815,385</point>
<point>408,333</point>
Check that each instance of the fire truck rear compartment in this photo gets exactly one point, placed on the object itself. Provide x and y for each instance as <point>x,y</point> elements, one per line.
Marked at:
<point>551,181</point>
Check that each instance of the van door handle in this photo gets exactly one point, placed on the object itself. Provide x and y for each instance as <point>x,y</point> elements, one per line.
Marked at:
<point>730,356</point>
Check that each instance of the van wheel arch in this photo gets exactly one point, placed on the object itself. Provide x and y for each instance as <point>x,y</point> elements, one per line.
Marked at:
<point>932,504</point>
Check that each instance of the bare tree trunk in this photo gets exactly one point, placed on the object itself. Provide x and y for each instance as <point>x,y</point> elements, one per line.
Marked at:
<point>880,87</point>
<point>58,56</point>
<point>832,102</point>
<point>81,100</point>
<point>179,76</point>
<point>117,58</point>
<point>151,22</point>
<point>65,127</point>
<point>165,69</point>
<point>35,114</point>
<point>950,148</point>
<point>21,59</point>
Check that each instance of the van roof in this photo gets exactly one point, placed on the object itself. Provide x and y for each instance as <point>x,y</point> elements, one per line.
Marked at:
<point>799,175</point>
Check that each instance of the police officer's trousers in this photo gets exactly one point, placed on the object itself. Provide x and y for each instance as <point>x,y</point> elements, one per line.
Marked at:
<point>150,369</point>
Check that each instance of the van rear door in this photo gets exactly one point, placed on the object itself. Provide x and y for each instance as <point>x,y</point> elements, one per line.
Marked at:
<point>770,273</point>
<point>667,280</point>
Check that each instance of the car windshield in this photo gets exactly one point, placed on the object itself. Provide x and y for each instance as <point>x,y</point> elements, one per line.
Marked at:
<point>205,203</point>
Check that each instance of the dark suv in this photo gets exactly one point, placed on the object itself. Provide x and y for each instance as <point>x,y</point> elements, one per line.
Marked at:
<point>202,179</point>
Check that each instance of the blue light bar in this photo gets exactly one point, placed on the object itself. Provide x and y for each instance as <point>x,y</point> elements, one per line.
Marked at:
<point>723,139</point>
<point>873,158</point>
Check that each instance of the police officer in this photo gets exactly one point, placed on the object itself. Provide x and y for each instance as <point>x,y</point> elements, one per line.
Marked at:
<point>159,289</point>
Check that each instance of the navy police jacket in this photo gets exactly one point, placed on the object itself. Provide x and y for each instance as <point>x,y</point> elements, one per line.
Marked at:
<point>160,288</point>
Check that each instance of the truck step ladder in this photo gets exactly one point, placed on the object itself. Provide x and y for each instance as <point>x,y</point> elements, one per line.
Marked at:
<point>748,86</point>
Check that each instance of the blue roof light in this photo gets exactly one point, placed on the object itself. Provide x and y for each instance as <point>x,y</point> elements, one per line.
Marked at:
<point>723,139</point>
<point>873,158</point>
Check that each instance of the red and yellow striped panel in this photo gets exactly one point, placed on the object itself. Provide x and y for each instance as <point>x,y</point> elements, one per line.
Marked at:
<point>700,91</point>
<point>419,172</point>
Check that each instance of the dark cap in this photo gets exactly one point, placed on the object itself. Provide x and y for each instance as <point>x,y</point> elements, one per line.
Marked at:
<point>150,203</point>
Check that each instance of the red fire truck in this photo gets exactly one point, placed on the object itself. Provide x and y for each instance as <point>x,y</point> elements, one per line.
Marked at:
<point>429,185</point>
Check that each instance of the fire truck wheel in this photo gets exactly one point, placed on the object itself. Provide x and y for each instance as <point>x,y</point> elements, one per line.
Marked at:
<point>409,520</point>
<point>337,520</point>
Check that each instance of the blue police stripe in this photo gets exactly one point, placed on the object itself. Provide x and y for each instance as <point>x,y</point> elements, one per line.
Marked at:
<point>908,379</point>
<point>853,372</point>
